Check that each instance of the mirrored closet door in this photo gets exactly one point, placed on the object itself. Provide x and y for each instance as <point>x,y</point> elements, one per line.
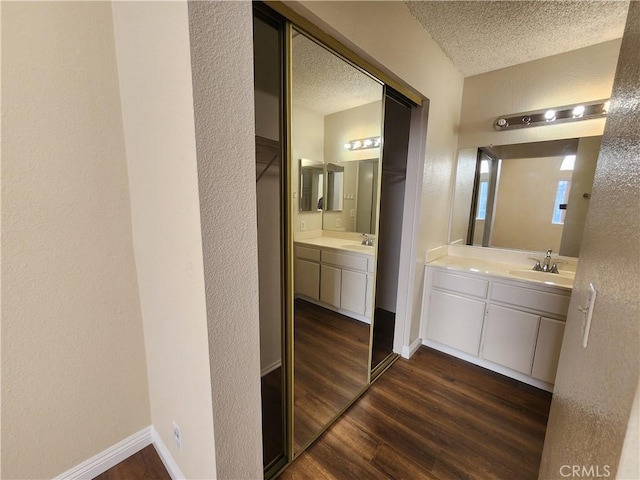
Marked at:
<point>336,122</point>
<point>331,156</point>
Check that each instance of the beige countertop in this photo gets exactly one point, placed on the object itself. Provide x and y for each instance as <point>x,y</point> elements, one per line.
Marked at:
<point>510,271</point>
<point>340,244</point>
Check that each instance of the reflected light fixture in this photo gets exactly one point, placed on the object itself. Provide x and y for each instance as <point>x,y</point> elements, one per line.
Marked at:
<point>552,116</point>
<point>362,143</point>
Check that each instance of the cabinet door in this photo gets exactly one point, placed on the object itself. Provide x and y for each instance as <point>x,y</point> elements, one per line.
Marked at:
<point>353,291</point>
<point>510,338</point>
<point>545,361</point>
<point>455,321</point>
<point>307,281</point>
<point>330,285</point>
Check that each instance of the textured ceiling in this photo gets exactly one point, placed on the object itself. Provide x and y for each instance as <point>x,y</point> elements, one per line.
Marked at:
<point>324,83</point>
<point>480,36</point>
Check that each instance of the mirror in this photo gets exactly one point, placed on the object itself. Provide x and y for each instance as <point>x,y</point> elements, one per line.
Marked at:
<point>356,205</point>
<point>335,187</point>
<point>311,185</point>
<point>332,103</point>
<point>530,196</point>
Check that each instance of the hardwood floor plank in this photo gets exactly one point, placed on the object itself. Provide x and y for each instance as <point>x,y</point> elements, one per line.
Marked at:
<point>145,464</point>
<point>435,417</point>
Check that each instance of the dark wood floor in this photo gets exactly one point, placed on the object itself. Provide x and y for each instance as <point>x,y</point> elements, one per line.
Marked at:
<point>272,417</point>
<point>433,417</point>
<point>331,360</point>
<point>144,465</point>
<point>384,324</point>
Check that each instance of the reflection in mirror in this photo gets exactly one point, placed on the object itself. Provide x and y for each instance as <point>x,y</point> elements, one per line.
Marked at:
<point>530,196</point>
<point>335,187</point>
<point>367,200</point>
<point>311,185</point>
<point>332,102</point>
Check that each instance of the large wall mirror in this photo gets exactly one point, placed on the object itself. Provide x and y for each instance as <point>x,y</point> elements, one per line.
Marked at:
<point>332,103</point>
<point>529,196</point>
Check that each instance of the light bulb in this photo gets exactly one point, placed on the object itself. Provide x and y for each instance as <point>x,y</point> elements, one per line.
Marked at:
<point>368,143</point>
<point>550,115</point>
<point>605,107</point>
<point>357,144</point>
<point>347,146</point>
<point>578,111</point>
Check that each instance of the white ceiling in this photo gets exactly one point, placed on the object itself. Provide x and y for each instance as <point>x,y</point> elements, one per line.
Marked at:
<point>480,36</point>
<point>324,83</point>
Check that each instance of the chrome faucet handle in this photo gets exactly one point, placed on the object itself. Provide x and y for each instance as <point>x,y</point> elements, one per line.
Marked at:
<point>549,252</point>
<point>537,267</point>
<point>365,239</point>
<point>554,268</point>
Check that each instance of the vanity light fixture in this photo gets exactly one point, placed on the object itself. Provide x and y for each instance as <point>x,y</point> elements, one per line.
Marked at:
<point>552,116</point>
<point>363,143</point>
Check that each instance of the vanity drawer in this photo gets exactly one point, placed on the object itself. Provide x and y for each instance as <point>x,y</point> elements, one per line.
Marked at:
<point>308,253</point>
<point>538,300</point>
<point>354,262</point>
<point>459,284</point>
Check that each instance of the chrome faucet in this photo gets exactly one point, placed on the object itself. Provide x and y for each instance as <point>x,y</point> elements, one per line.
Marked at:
<point>366,240</point>
<point>547,265</point>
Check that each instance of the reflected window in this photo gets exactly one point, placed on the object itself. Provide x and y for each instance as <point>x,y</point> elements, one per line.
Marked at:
<point>560,204</point>
<point>482,200</point>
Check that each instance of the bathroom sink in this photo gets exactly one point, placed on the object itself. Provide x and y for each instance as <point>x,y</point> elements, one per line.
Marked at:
<point>359,248</point>
<point>559,279</point>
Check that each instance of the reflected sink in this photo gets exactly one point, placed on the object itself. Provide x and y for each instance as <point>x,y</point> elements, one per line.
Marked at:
<point>560,279</point>
<point>359,248</point>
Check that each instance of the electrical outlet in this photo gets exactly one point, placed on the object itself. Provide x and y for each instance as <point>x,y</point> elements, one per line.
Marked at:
<point>177,438</point>
<point>303,226</point>
<point>338,222</point>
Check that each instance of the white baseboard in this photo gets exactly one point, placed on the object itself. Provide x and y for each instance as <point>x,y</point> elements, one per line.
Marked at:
<point>110,457</point>
<point>122,450</point>
<point>166,457</point>
<point>409,350</point>
<point>270,368</point>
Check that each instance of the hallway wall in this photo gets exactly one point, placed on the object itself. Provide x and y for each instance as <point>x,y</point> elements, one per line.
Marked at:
<point>74,378</point>
<point>595,387</point>
<point>154,67</point>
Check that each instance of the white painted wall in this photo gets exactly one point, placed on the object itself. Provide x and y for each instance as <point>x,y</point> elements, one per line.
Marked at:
<point>307,141</point>
<point>402,46</point>
<point>222,69</point>
<point>339,128</point>
<point>154,66</point>
<point>578,76</point>
<point>596,387</point>
<point>74,379</point>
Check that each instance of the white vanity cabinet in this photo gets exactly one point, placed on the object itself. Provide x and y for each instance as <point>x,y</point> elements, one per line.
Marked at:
<point>510,338</point>
<point>307,272</point>
<point>512,327</point>
<point>330,285</point>
<point>335,279</point>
